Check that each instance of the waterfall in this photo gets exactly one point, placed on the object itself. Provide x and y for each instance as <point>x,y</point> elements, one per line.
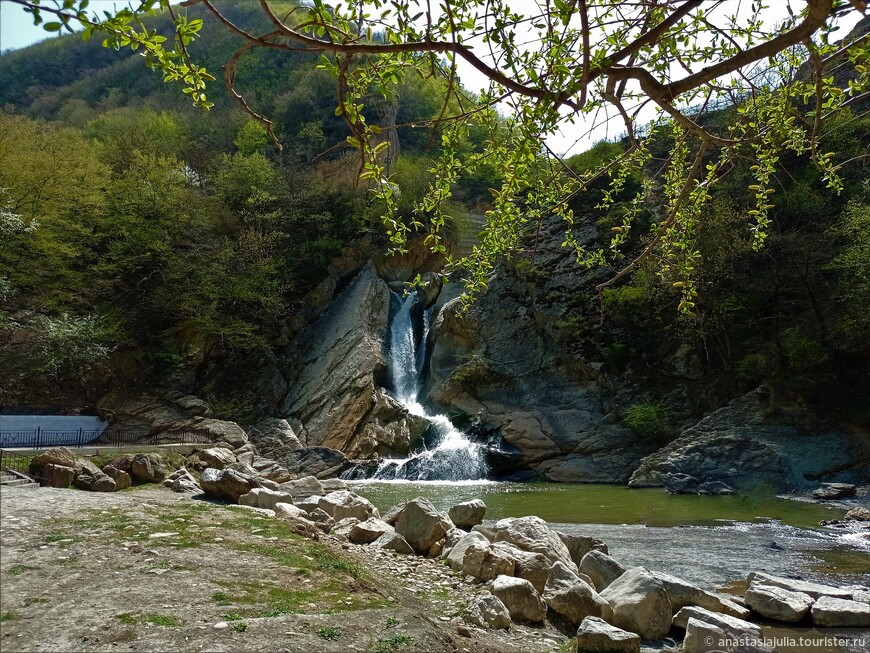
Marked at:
<point>452,455</point>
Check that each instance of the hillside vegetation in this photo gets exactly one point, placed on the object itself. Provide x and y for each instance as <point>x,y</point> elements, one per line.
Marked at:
<point>146,242</point>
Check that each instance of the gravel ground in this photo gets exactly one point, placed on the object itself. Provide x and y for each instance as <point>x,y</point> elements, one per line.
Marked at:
<point>150,570</point>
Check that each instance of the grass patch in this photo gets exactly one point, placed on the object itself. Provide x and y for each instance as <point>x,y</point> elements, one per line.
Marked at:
<point>17,570</point>
<point>392,622</point>
<point>329,633</point>
<point>394,643</point>
<point>232,616</point>
<point>220,597</point>
<point>153,618</point>
<point>239,626</point>
<point>6,616</point>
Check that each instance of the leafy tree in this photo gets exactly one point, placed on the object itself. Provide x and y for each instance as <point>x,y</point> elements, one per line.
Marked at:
<point>687,57</point>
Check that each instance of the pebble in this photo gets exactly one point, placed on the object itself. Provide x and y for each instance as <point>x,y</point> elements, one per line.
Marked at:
<point>221,625</point>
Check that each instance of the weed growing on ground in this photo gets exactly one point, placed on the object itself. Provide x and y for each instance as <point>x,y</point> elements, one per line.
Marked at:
<point>329,632</point>
<point>394,643</point>
<point>239,626</point>
<point>6,616</point>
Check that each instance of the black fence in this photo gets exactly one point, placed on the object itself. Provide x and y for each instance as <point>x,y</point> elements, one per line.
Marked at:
<point>43,439</point>
<point>11,461</point>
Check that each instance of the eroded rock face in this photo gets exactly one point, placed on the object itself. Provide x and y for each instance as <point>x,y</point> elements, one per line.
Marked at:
<point>496,362</point>
<point>739,446</point>
<point>274,437</point>
<point>520,598</point>
<point>573,598</point>
<point>640,604</point>
<point>320,462</point>
<point>335,396</point>
<point>173,413</point>
<point>217,457</point>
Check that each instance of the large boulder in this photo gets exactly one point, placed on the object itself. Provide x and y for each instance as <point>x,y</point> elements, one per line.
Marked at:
<point>489,612</point>
<point>704,636</point>
<point>828,612</point>
<point>777,603</point>
<point>343,527</point>
<point>368,531</point>
<point>270,469</point>
<point>682,593</point>
<point>533,534</point>
<point>260,497</point>
<point>830,491</point>
<point>122,479</point>
<point>640,604</point>
<point>421,524</point>
<point>392,541</point>
<point>60,456</point>
<point>815,590</point>
<point>182,480</point>
<point>217,457</point>
<point>98,482</point>
<point>601,568</point>
<point>737,628</point>
<point>307,486</point>
<point>534,567</point>
<point>572,597</point>
<point>467,514</point>
<point>147,468</point>
<point>597,636</point>
<point>52,475</point>
<point>520,598</point>
<point>485,562</point>
<point>457,552</point>
<point>343,503</point>
<point>579,545</point>
<point>226,484</point>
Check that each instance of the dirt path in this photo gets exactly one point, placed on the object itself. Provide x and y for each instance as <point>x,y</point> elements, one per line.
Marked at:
<point>150,570</point>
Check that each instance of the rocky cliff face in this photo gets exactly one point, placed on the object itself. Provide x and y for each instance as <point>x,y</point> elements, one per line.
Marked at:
<point>337,370</point>
<point>747,443</point>
<point>495,363</point>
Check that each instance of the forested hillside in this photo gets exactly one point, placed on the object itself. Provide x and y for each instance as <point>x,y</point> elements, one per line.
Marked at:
<point>142,235</point>
<point>146,242</point>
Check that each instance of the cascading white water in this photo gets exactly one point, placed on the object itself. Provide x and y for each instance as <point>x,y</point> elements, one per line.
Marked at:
<point>454,456</point>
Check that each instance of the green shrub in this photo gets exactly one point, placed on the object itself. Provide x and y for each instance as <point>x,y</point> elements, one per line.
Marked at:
<point>648,419</point>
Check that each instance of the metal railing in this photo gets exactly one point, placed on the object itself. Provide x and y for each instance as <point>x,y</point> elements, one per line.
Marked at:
<point>11,461</point>
<point>43,439</point>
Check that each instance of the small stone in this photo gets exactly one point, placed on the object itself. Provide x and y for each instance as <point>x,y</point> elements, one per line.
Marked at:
<point>463,631</point>
<point>221,625</point>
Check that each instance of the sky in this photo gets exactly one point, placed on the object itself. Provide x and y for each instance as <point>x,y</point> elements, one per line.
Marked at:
<point>17,30</point>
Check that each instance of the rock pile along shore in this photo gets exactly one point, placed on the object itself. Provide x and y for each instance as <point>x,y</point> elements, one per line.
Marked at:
<point>523,571</point>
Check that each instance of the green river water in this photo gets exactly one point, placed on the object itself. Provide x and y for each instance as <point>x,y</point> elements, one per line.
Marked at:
<point>603,504</point>
<point>710,541</point>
